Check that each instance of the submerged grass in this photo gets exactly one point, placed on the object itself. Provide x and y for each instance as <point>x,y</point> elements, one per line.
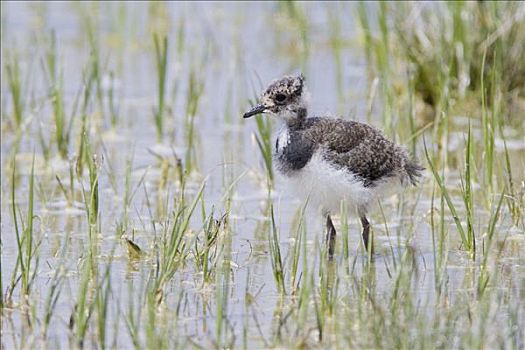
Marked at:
<point>275,254</point>
<point>27,261</point>
<point>173,248</point>
<point>14,80</point>
<point>56,81</point>
<point>195,91</point>
<point>264,143</point>
<point>466,235</point>
<point>161,61</point>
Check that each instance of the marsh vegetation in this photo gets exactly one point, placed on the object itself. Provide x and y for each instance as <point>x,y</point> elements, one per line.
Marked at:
<point>139,210</point>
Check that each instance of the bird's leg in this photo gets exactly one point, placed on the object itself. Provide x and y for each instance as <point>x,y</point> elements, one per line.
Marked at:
<point>330,237</point>
<point>366,231</point>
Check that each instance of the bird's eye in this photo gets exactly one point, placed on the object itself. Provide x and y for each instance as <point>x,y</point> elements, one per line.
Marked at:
<point>280,98</point>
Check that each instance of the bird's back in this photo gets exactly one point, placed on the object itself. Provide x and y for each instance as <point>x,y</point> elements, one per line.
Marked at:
<point>356,147</point>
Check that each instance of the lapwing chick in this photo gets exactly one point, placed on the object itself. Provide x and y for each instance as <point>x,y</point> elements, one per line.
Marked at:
<point>329,160</point>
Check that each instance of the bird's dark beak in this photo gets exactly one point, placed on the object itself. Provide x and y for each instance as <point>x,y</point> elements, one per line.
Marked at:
<point>255,110</point>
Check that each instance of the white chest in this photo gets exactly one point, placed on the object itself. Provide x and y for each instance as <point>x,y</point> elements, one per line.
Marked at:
<point>283,140</point>
<point>326,186</point>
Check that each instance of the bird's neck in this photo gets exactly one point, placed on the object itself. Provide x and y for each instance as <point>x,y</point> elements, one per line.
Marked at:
<point>297,119</point>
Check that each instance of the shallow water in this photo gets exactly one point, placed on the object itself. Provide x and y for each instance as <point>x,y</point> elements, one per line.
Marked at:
<point>234,49</point>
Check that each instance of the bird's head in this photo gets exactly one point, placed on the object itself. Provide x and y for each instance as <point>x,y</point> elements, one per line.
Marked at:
<point>285,98</point>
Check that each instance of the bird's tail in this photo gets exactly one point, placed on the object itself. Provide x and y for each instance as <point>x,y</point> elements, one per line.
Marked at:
<point>413,172</point>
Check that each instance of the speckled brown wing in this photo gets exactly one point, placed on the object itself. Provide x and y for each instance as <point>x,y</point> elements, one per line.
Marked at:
<point>337,134</point>
<point>359,148</point>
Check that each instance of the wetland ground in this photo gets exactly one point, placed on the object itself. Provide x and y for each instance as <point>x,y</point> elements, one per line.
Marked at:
<point>139,210</point>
